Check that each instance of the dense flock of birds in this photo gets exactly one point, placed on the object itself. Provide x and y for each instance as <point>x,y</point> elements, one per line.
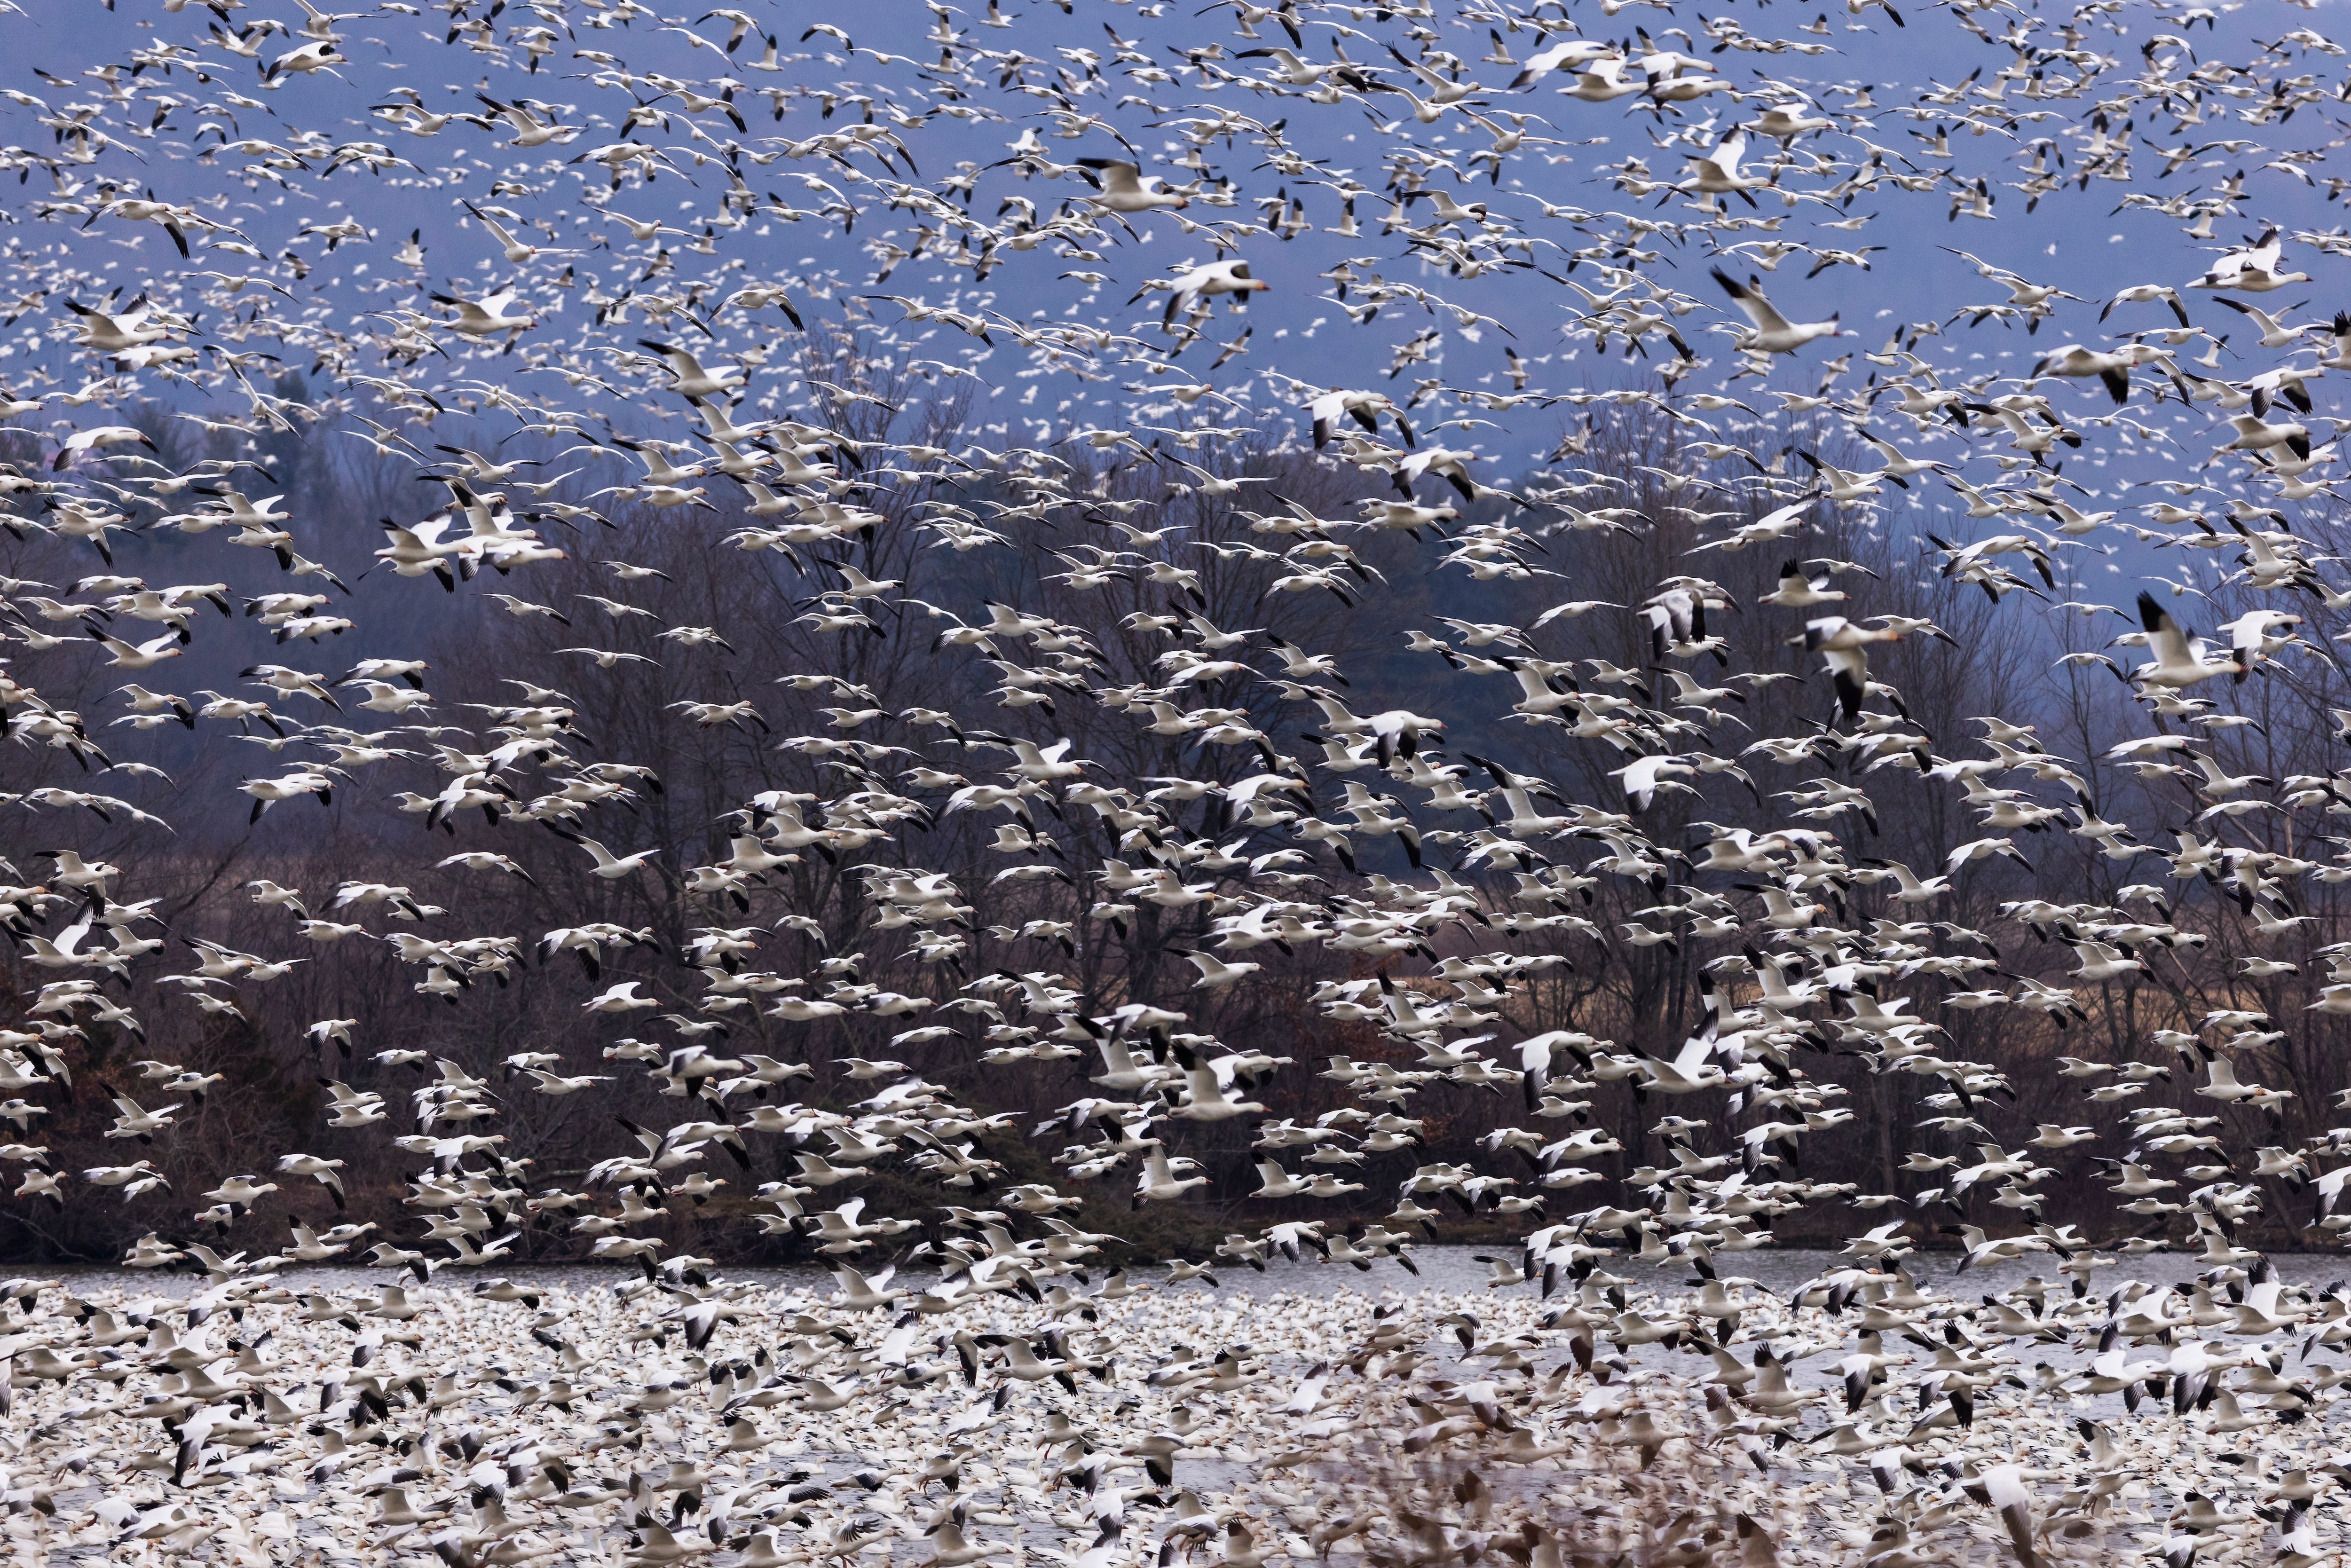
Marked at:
<point>202,213</point>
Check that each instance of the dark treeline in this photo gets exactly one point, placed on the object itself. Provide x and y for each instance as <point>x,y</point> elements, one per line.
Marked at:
<point>772,735</point>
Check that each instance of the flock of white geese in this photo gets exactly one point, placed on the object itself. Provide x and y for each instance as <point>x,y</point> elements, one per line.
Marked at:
<point>1602,224</point>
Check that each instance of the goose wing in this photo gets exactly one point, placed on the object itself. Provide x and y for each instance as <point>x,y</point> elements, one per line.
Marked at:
<point>2164,636</point>
<point>1118,178</point>
<point>1751,299</point>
